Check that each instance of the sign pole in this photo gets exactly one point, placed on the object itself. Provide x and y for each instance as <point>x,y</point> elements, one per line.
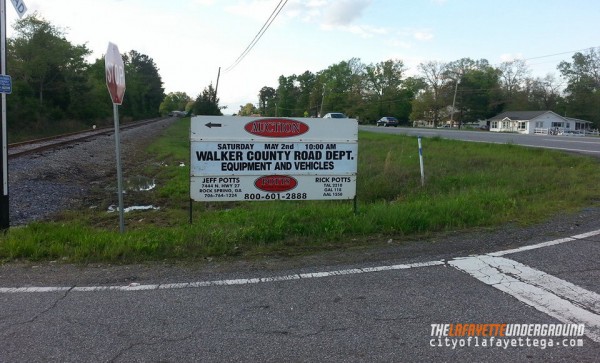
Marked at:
<point>115,81</point>
<point>4,208</point>
<point>119,169</point>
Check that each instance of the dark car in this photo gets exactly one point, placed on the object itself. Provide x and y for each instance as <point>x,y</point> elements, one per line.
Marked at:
<point>387,121</point>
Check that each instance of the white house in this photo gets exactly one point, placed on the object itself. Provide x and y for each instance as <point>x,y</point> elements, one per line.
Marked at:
<point>536,122</point>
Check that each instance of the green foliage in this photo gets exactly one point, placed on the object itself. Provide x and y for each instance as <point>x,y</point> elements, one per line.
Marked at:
<point>174,101</point>
<point>583,85</point>
<point>56,90</point>
<point>247,110</point>
<point>468,185</point>
<point>207,103</point>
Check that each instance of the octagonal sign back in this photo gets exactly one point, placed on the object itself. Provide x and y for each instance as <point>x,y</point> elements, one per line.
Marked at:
<point>115,73</point>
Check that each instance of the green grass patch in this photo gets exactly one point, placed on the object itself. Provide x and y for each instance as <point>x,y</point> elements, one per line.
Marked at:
<point>468,185</point>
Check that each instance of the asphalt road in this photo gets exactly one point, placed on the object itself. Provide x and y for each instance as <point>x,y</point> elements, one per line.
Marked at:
<point>393,304</point>
<point>579,144</point>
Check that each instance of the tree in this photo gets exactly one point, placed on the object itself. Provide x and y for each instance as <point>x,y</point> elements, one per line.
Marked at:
<point>287,96</point>
<point>583,85</point>
<point>306,83</point>
<point>342,87</point>
<point>478,93</point>
<point>144,86</point>
<point>429,104</point>
<point>385,91</point>
<point>45,66</point>
<point>512,78</point>
<point>247,110</point>
<point>174,101</point>
<point>545,94</point>
<point>207,103</point>
<point>266,101</point>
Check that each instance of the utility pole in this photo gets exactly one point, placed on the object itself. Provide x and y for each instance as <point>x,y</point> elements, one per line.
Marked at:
<point>322,102</point>
<point>453,103</point>
<point>217,86</point>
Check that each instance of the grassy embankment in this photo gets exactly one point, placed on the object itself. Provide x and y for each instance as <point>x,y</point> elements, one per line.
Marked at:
<point>467,185</point>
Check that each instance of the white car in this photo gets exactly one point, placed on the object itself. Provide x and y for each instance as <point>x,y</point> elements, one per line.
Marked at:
<point>335,115</point>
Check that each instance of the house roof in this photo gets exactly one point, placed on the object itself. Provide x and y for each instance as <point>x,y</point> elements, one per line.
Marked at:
<point>530,115</point>
<point>518,115</point>
<point>578,120</point>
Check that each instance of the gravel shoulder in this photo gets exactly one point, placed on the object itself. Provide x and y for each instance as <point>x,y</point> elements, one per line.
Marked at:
<point>41,185</point>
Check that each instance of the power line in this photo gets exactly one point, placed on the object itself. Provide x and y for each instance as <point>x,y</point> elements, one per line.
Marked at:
<point>259,35</point>
<point>552,55</point>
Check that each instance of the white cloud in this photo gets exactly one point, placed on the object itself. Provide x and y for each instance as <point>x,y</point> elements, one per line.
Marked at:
<point>423,35</point>
<point>509,57</point>
<point>345,12</point>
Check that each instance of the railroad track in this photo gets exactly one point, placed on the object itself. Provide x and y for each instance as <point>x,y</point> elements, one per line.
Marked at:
<point>48,143</point>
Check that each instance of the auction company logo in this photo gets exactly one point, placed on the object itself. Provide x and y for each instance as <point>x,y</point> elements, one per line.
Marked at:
<point>276,127</point>
<point>275,183</point>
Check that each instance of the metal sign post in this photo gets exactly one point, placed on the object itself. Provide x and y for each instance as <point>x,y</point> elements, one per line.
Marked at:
<point>5,88</point>
<point>115,81</point>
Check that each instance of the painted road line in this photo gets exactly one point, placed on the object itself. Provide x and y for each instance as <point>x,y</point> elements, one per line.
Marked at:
<point>138,287</point>
<point>230,282</point>
<point>546,244</point>
<point>560,299</point>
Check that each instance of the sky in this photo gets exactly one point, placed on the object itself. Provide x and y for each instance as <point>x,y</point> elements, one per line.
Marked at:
<point>190,39</point>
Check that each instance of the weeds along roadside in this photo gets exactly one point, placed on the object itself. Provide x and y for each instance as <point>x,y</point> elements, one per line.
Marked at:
<point>468,185</point>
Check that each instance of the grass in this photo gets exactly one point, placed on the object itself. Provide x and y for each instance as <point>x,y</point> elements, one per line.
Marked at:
<point>468,185</point>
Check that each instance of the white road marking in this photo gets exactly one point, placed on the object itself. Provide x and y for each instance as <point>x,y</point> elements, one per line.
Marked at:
<point>560,299</point>
<point>257,280</point>
<point>575,141</point>
<point>546,244</point>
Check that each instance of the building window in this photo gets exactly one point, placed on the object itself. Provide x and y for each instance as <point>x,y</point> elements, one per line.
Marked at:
<point>558,124</point>
<point>522,125</point>
<point>494,124</point>
<point>539,124</point>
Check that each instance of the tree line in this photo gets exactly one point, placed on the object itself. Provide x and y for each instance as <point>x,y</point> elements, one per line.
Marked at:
<point>477,90</point>
<point>55,89</point>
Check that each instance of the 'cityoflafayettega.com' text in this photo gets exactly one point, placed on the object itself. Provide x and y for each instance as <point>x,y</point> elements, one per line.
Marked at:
<point>542,336</point>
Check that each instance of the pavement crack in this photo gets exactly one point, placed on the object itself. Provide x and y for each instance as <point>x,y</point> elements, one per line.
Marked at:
<point>155,341</point>
<point>45,311</point>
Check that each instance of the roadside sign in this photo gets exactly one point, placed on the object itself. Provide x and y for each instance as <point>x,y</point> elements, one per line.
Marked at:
<point>5,84</point>
<point>254,158</point>
<point>115,73</point>
<point>19,7</point>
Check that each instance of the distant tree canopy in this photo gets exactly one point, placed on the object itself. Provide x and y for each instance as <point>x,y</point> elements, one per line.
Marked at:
<point>477,90</point>
<point>175,101</point>
<point>54,85</point>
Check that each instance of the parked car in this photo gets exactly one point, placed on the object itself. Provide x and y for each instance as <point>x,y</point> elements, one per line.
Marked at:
<point>444,126</point>
<point>335,115</point>
<point>484,127</point>
<point>387,121</point>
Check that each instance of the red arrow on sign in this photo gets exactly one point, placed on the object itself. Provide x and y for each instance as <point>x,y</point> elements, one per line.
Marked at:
<point>115,73</point>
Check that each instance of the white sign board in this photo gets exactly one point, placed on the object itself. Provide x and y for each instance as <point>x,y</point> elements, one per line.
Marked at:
<point>253,158</point>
